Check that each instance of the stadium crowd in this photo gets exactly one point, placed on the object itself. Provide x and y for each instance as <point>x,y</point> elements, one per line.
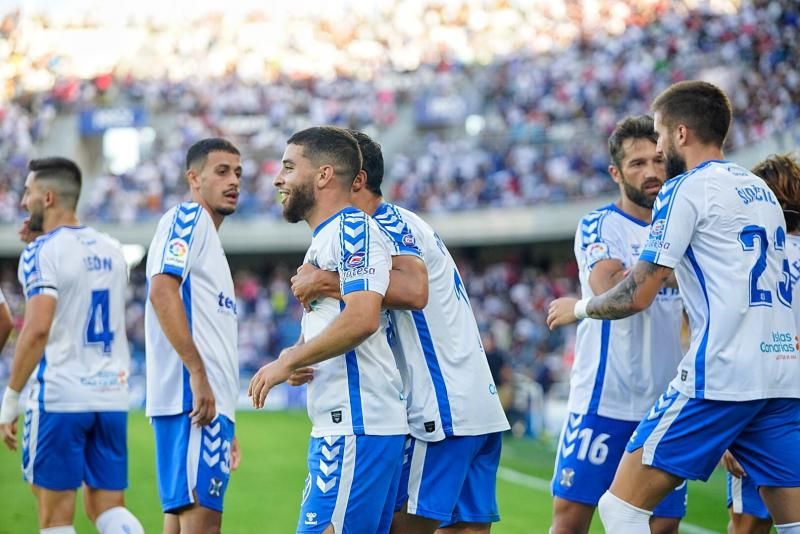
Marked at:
<point>533,143</point>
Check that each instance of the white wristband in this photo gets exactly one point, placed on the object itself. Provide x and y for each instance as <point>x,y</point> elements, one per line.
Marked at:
<point>580,309</point>
<point>9,410</point>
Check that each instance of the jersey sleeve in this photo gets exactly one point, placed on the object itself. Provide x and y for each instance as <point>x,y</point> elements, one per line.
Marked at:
<point>37,270</point>
<point>599,240</point>
<point>364,258</point>
<point>183,239</point>
<point>401,238</point>
<point>675,216</point>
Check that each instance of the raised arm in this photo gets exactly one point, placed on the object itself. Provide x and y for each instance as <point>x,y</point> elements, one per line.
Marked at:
<point>408,284</point>
<point>633,294</point>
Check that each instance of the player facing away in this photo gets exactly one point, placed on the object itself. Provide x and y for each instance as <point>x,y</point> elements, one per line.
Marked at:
<point>749,515</point>
<point>75,429</point>
<point>455,417</point>
<point>738,386</point>
<point>621,367</point>
<point>355,401</point>
<point>191,343</point>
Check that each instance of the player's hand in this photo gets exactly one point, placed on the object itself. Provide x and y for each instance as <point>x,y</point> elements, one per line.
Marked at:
<point>204,406</point>
<point>561,312</point>
<point>266,378</point>
<point>9,433</point>
<point>732,466</point>
<point>26,235</point>
<point>305,285</point>
<point>236,454</point>
<point>301,376</point>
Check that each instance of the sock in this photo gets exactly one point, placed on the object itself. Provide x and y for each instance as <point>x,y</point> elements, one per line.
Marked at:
<point>620,517</point>
<point>788,528</point>
<point>64,529</point>
<point>118,520</point>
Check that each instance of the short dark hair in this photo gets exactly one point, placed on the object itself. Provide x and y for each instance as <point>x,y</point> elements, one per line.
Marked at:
<point>782,174</point>
<point>63,173</point>
<point>333,146</point>
<point>198,152</point>
<point>372,160</point>
<point>701,106</point>
<point>635,127</point>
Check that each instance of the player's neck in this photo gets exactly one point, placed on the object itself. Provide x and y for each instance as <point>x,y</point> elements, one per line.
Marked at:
<point>700,154</point>
<point>370,204</point>
<point>216,218</point>
<point>58,218</point>
<point>635,210</point>
<point>325,209</point>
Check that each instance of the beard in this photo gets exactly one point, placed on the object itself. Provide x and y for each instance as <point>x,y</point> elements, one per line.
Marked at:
<point>225,211</point>
<point>300,202</point>
<point>676,164</point>
<point>36,219</point>
<point>637,196</point>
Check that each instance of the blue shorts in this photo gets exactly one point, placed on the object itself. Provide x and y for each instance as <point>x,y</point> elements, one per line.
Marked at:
<point>687,437</point>
<point>192,461</point>
<point>743,497</point>
<point>62,450</point>
<point>453,480</point>
<point>351,484</point>
<point>589,452</point>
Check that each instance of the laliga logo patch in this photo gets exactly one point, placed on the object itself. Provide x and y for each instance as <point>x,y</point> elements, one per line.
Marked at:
<point>355,261</point>
<point>657,229</point>
<point>177,249</point>
<point>408,240</point>
<point>597,251</point>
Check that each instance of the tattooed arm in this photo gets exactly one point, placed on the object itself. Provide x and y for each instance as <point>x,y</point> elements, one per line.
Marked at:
<point>633,294</point>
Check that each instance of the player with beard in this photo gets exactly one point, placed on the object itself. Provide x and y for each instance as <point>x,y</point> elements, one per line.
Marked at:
<point>191,343</point>
<point>719,227</point>
<point>620,368</point>
<point>75,431</point>
<point>355,402</point>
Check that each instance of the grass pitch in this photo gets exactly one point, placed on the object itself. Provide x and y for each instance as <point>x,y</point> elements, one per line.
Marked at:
<point>264,494</point>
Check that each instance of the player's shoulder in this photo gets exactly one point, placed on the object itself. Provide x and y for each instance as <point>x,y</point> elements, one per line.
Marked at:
<point>591,225</point>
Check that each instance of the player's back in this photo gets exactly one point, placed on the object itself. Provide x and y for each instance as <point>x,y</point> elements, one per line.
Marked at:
<point>793,257</point>
<point>187,246</point>
<point>359,392</point>
<point>86,360</point>
<point>621,366</point>
<point>722,229</point>
<point>445,370</point>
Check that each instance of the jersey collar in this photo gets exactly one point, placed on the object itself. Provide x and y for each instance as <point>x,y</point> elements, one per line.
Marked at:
<point>323,224</point>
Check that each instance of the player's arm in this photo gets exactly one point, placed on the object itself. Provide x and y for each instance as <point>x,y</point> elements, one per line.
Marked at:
<point>633,294</point>
<point>408,284</point>
<point>6,324</point>
<point>39,313</point>
<point>606,274</point>
<point>359,319</point>
<point>166,300</point>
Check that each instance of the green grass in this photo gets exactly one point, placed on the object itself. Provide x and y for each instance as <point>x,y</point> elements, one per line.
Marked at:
<point>264,494</point>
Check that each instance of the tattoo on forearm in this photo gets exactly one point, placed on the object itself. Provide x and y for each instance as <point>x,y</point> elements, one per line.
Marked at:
<point>620,301</point>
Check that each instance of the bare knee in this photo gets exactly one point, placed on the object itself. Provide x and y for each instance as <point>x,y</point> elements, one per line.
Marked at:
<point>664,525</point>
<point>200,520</point>
<point>405,523</point>
<point>466,528</point>
<point>96,501</point>
<point>570,517</point>
<point>748,524</point>
<point>55,508</point>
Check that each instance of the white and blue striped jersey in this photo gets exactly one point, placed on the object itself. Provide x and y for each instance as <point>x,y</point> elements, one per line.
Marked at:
<point>447,378</point>
<point>86,360</point>
<point>359,392</point>
<point>621,367</point>
<point>721,229</point>
<point>186,245</point>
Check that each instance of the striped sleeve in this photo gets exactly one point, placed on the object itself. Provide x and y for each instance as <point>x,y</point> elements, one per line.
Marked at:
<point>364,263</point>
<point>181,240</point>
<point>675,217</point>
<point>37,272</point>
<point>391,223</point>
<point>599,241</point>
